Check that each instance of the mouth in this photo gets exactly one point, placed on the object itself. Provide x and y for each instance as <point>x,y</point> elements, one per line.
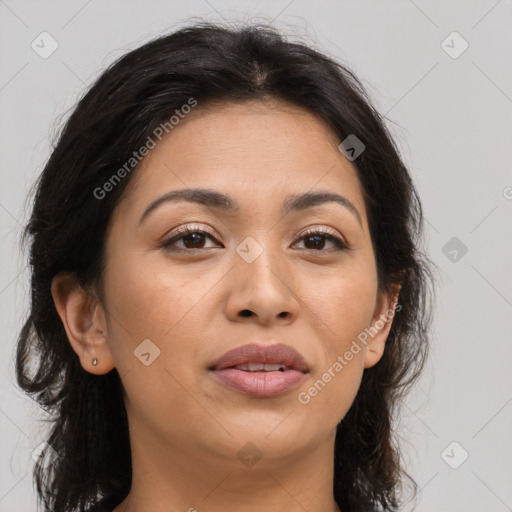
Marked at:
<point>259,357</point>
<point>261,367</point>
<point>261,371</point>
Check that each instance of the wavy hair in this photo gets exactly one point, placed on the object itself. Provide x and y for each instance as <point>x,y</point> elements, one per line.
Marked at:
<point>212,63</point>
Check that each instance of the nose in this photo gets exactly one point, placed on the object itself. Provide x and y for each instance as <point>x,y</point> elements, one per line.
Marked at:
<point>262,291</point>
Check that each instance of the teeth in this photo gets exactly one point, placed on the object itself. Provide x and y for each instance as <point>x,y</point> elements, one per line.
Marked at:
<point>258,367</point>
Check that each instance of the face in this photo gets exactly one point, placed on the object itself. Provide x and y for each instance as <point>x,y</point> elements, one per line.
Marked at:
<point>265,271</point>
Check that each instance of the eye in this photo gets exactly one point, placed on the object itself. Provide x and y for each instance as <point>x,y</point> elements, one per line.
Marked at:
<point>192,237</point>
<point>315,238</point>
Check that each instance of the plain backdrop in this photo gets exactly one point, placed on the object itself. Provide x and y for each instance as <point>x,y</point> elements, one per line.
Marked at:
<point>441,73</point>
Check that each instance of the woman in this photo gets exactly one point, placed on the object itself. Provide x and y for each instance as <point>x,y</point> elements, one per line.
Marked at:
<point>228,297</point>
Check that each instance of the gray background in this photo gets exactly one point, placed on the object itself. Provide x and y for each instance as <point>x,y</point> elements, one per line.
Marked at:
<point>452,120</point>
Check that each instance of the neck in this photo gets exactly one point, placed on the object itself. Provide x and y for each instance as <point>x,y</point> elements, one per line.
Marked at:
<point>168,477</point>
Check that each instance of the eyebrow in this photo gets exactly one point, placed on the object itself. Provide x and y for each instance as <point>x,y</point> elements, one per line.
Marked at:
<point>222,202</point>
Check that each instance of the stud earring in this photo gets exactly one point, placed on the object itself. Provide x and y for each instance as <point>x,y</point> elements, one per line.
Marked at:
<point>94,361</point>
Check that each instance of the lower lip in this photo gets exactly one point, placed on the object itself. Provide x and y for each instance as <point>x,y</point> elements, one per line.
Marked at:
<point>261,384</point>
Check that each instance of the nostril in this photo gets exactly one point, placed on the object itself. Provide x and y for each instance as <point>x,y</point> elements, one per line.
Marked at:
<point>246,312</point>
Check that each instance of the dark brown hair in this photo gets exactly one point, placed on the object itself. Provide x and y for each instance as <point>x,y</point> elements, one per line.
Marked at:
<point>142,89</point>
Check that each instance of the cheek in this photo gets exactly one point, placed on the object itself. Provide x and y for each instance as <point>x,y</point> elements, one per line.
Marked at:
<point>344,305</point>
<point>162,304</point>
<point>345,308</point>
<point>328,395</point>
<point>152,299</point>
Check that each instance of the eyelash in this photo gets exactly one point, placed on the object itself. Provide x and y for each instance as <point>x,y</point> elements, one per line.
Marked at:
<point>187,230</point>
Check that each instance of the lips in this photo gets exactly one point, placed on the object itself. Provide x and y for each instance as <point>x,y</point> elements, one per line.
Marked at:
<point>250,358</point>
<point>261,371</point>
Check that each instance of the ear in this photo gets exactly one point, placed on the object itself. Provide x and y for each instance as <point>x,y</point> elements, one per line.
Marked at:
<point>84,320</point>
<point>386,306</point>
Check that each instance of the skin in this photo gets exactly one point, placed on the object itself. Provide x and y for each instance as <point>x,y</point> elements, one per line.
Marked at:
<point>185,427</point>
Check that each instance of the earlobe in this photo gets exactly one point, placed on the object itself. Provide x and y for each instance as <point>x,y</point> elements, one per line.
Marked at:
<point>380,326</point>
<point>84,322</point>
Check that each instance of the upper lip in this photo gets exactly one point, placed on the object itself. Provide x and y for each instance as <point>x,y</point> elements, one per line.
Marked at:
<point>258,353</point>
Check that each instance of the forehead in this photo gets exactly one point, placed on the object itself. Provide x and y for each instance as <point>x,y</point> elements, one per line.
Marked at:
<point>251,150</point>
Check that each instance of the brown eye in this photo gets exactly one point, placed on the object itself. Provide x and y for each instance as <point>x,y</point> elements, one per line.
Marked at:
<point>192,238</point>
<point>315,240</point>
